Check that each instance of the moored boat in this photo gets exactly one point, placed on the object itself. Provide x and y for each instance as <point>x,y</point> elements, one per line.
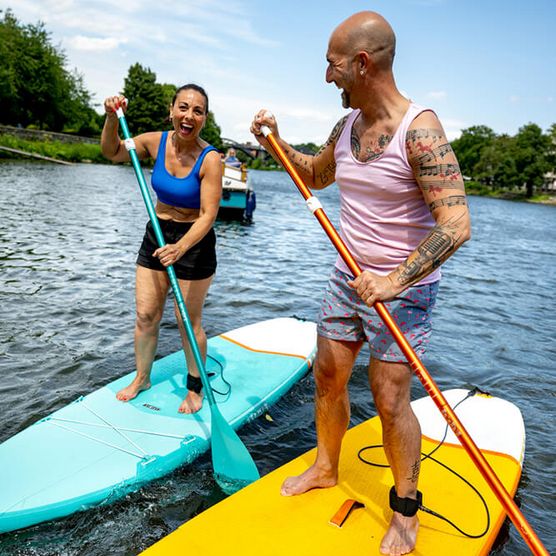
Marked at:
<point>238,198</point>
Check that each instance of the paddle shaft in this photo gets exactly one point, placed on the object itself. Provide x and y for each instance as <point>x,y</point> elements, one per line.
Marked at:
<point>424,376</point>
<point>130,146</point>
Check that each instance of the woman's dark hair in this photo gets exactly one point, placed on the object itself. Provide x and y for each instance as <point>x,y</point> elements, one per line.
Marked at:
<point>194,87</point>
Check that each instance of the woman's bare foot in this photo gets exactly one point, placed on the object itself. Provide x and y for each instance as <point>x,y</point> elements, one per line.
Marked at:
<point>129,392</point>
<point>401,535</point>
<point>314,477</point>
<point>192,402</point>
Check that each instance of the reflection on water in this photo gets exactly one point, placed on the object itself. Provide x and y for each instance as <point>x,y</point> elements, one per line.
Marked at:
<point>68,242</point>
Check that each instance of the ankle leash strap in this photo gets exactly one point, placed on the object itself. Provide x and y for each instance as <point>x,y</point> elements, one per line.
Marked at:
<point>194,383</point>
<point>406,506</point>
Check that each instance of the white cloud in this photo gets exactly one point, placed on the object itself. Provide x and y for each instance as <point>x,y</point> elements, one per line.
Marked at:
<point>514,98</point>
<point>94,44</point>
<point>437,95</point>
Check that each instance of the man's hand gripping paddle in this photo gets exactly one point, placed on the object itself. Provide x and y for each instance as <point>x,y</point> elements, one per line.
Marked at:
<point>432,389</point>
<point>233,466</point>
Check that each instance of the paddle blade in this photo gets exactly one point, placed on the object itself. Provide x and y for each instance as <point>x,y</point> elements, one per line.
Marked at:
<point>234,467</point>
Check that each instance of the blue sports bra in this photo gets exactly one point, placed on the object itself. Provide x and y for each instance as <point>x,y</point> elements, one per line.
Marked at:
<point>177,192</point>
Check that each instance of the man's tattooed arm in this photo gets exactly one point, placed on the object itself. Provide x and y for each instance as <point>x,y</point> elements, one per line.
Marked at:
<point>442,241</point>
<point>437,173</point>
<point>324,163</point>
<point>316,171</point>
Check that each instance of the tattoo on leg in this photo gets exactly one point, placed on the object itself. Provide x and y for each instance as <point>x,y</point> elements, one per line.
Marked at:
<point>415,471</point>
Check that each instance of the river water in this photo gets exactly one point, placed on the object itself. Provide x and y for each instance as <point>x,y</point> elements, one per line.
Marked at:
<point>68,241</point>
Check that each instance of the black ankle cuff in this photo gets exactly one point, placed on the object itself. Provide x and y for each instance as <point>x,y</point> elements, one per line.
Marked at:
<point>406,506</point>
<point>194,383</point>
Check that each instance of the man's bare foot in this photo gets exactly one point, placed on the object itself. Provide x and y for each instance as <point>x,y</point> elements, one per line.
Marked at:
<point>129,392</point>
<point>192,402</point>
<point>314,477</point>
<point>401,535</point>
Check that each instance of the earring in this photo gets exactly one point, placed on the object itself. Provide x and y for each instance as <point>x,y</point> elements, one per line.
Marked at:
<point>361,72</point>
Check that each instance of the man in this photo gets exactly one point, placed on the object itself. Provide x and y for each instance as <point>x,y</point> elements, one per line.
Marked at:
<point>403,213</point>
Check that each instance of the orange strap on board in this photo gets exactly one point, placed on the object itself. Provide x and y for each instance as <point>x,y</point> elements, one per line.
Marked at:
<point>345,509</point>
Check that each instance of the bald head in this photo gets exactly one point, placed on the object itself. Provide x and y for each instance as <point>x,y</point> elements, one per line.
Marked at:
<point>368,32</point>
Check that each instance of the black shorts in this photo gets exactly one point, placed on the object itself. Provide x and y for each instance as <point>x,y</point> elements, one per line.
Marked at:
<point>197,264</point>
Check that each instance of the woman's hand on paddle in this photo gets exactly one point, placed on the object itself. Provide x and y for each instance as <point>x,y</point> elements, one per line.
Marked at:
<point>111,104</point>
<point>372,288</point>
<point>170,253</point>
<point>264,117</point>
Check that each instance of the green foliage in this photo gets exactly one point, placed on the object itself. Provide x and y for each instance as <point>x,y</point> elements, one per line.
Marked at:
<point>469,146</point>
<point>211,132</point>
<point>70,152</point>
<point>307,148</point>
<point>507,163</point>
<point>35,87</point>
<point>148,109</point>
<point>531,156</point>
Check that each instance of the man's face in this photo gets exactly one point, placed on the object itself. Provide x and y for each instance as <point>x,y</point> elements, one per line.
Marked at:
<point>340,71</point>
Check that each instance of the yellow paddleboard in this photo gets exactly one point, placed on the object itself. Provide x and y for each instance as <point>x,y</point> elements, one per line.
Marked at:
<point>258,521</point>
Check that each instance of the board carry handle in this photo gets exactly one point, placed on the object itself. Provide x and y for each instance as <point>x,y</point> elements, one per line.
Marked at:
<point>313,204</point>
<point>233,465</point>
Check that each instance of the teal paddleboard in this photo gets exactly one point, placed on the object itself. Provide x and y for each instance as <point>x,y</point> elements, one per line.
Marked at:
<point>98,447</point>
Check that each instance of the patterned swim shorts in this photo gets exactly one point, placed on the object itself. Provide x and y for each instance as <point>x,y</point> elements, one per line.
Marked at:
<point>344,316</point>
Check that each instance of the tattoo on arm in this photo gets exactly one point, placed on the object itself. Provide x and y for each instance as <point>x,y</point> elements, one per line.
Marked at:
<point>439,186</point>
<point>451,201</point>
<point>335,133</point>
<point>450,171</point>
<point>300,161</point>
<point>441,242</point>
<point>327,174</point>
<point>434,154</point>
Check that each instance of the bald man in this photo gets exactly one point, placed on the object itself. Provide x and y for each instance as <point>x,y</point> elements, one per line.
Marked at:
<point>403,213</point>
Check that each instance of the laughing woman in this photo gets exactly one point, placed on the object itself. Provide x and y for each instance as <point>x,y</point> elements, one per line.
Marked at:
<point>188,182</point>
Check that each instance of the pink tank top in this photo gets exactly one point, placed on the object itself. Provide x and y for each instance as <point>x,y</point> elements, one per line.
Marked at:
<point>383,216</point>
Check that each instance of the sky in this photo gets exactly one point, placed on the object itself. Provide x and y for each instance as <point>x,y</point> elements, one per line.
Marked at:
<point>487,62</point>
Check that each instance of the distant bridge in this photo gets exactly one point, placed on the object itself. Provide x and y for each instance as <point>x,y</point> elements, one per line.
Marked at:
<point>251,150</point>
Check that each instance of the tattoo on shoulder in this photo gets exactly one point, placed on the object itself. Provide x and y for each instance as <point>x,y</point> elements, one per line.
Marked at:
<point>424,133</point>
<point>334,134</point>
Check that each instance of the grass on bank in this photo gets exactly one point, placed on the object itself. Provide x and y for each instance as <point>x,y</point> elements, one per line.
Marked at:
<point>69,152</point>
<point>476,188</point>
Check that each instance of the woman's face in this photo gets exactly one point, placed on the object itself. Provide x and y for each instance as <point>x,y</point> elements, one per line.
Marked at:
<point>188,113</point>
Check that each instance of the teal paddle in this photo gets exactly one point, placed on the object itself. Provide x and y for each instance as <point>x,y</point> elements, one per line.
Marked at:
<point>233,466</point>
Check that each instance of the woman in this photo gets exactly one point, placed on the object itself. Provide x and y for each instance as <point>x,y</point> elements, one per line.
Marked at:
<point>187,179</point>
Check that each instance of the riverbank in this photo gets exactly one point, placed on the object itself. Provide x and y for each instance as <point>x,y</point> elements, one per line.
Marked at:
<point>480,190</point>
<point>64,151</point>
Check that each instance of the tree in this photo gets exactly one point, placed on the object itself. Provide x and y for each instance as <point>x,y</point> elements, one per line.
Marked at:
<point>551,155</point>
<point>307,148</point>
<point>497,167</point>
<point>211,132</point>
<point>469,146</point>
<point>35,87</point>
<point>532,156</point>
<point>148,109</point>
